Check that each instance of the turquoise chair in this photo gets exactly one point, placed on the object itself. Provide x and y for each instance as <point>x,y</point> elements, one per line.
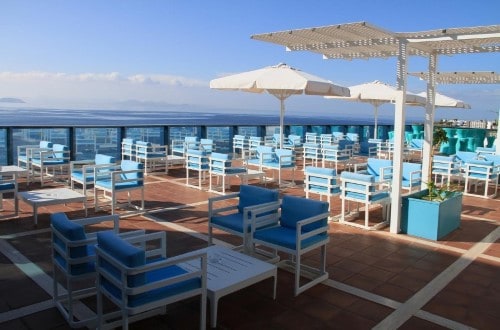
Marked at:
<point>300,227</point>
<point>221,167</point>
<point>363,189</point>
<point>138,278</point>
<point>82,171</point>
<point>57,160</point>
<point>235,219</point>
<point>73,262</point>
<point>115,179</point>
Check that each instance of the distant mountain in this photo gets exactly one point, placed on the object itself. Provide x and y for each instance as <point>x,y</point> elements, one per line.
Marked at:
<point>10,100</point>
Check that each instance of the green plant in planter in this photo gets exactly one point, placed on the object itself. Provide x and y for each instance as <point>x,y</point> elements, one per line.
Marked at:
<point>436,193</point>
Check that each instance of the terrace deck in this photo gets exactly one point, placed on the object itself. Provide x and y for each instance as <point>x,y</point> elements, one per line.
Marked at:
<point>377,279</point>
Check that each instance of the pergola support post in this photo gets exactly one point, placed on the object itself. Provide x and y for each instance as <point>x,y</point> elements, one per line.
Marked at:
<point>429,121</point>
<point>399,128</point>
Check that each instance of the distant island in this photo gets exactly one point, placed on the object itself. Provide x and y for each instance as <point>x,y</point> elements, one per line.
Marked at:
<point>10,100</point>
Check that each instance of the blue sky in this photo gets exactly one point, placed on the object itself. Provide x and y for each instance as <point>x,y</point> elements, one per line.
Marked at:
<point>142,54</point>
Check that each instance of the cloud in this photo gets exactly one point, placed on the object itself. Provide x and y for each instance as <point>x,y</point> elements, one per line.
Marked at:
<point>49,89</point>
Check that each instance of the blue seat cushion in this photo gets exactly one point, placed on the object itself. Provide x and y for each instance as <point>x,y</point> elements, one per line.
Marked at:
<point>253,195</point>
<point>294,209</point>
<point>78,175</point>
<point>286,237</point>
<point>232,221</point>
<point>7,186</point>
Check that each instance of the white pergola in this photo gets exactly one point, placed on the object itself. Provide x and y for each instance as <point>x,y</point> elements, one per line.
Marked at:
<point>364,41</point>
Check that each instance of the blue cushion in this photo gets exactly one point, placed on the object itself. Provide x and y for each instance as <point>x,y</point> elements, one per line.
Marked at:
<point>125,253</point>
<point>101,159</point>
<point>128,165</point>
<point>358,176</point>
<point>232,221</point>
<point>7,186</point>
<point>320,170</point>
<point>410,167</point>
<point>343,144</point>
<point>266,153</point>
<point>374,165</point>
<point>219,156</point>
<point>143,143</point>
<point>286,237</point>
<point>73,232</point>
<point>128,141</point>
<point>439,158</point>
<point>253,195</point>
<point>46,144</point>
<point>295,208</point>
<point>78,175</point>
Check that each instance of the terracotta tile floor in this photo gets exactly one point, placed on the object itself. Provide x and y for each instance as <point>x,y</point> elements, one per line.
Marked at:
<point>377,279</point>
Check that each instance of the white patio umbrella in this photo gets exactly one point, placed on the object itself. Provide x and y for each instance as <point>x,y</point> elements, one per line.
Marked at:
<point>377,93</point>
<point>444,101</point>
<point>281,81</point>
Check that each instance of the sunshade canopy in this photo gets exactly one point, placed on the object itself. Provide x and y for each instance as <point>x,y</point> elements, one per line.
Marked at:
<point>444,101</point>
<point>363,41</point>
<point>471,77</point>
<point>377,93</point>
<point>281,81</point>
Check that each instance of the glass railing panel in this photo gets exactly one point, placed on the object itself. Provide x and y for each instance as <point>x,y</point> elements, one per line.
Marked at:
<point>3,147</point>
<point>33,136</point>
<point>180,132</point>
<point>222,138</point>
<point>97,140</point>
<point>155,135</point>
<point>248,130</point>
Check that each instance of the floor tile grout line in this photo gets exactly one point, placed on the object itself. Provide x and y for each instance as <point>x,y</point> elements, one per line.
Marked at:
<point>419,299</point>
<point>442,321</point>
<point>26,310</point>
<point>37,275</point>
<point>381,300</point>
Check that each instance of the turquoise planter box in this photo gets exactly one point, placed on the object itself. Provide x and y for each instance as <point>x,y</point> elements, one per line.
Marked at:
<point>430,219</point>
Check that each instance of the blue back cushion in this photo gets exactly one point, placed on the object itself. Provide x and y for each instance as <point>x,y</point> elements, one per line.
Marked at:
<point>60,150</point>
<point>45,144</point>
<point>266,152</point>
<point>295,208</point>
<point>123,252</point>
<point>253,195</point>
<point>375,164</point>
<point>411,167</point>
<point>369,179</point>
<point>71,231</point>
<point>129,165</point>
<point>101,159</point>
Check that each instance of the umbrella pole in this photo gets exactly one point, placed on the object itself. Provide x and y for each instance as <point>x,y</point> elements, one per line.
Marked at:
<point>282,116</point>
<point>375,133</point>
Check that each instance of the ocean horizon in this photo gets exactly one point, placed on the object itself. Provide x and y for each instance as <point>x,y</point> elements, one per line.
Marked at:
<point>29,117</point>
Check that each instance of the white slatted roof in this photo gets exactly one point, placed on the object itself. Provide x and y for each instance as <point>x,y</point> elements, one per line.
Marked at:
<point>363,41</point>
<point>472,77</point>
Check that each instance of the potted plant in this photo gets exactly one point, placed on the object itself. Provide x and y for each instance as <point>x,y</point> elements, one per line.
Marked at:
<point>434,212</point>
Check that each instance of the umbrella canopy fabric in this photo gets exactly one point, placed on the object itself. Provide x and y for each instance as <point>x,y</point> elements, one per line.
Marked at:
<point>444,101</point>
<point>281,81</point>
<point>377,93</point>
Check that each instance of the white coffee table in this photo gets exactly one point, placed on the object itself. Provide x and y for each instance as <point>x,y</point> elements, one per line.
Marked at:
<point>44,197</point>
<point>249,175</point>
<point>229,271</point>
